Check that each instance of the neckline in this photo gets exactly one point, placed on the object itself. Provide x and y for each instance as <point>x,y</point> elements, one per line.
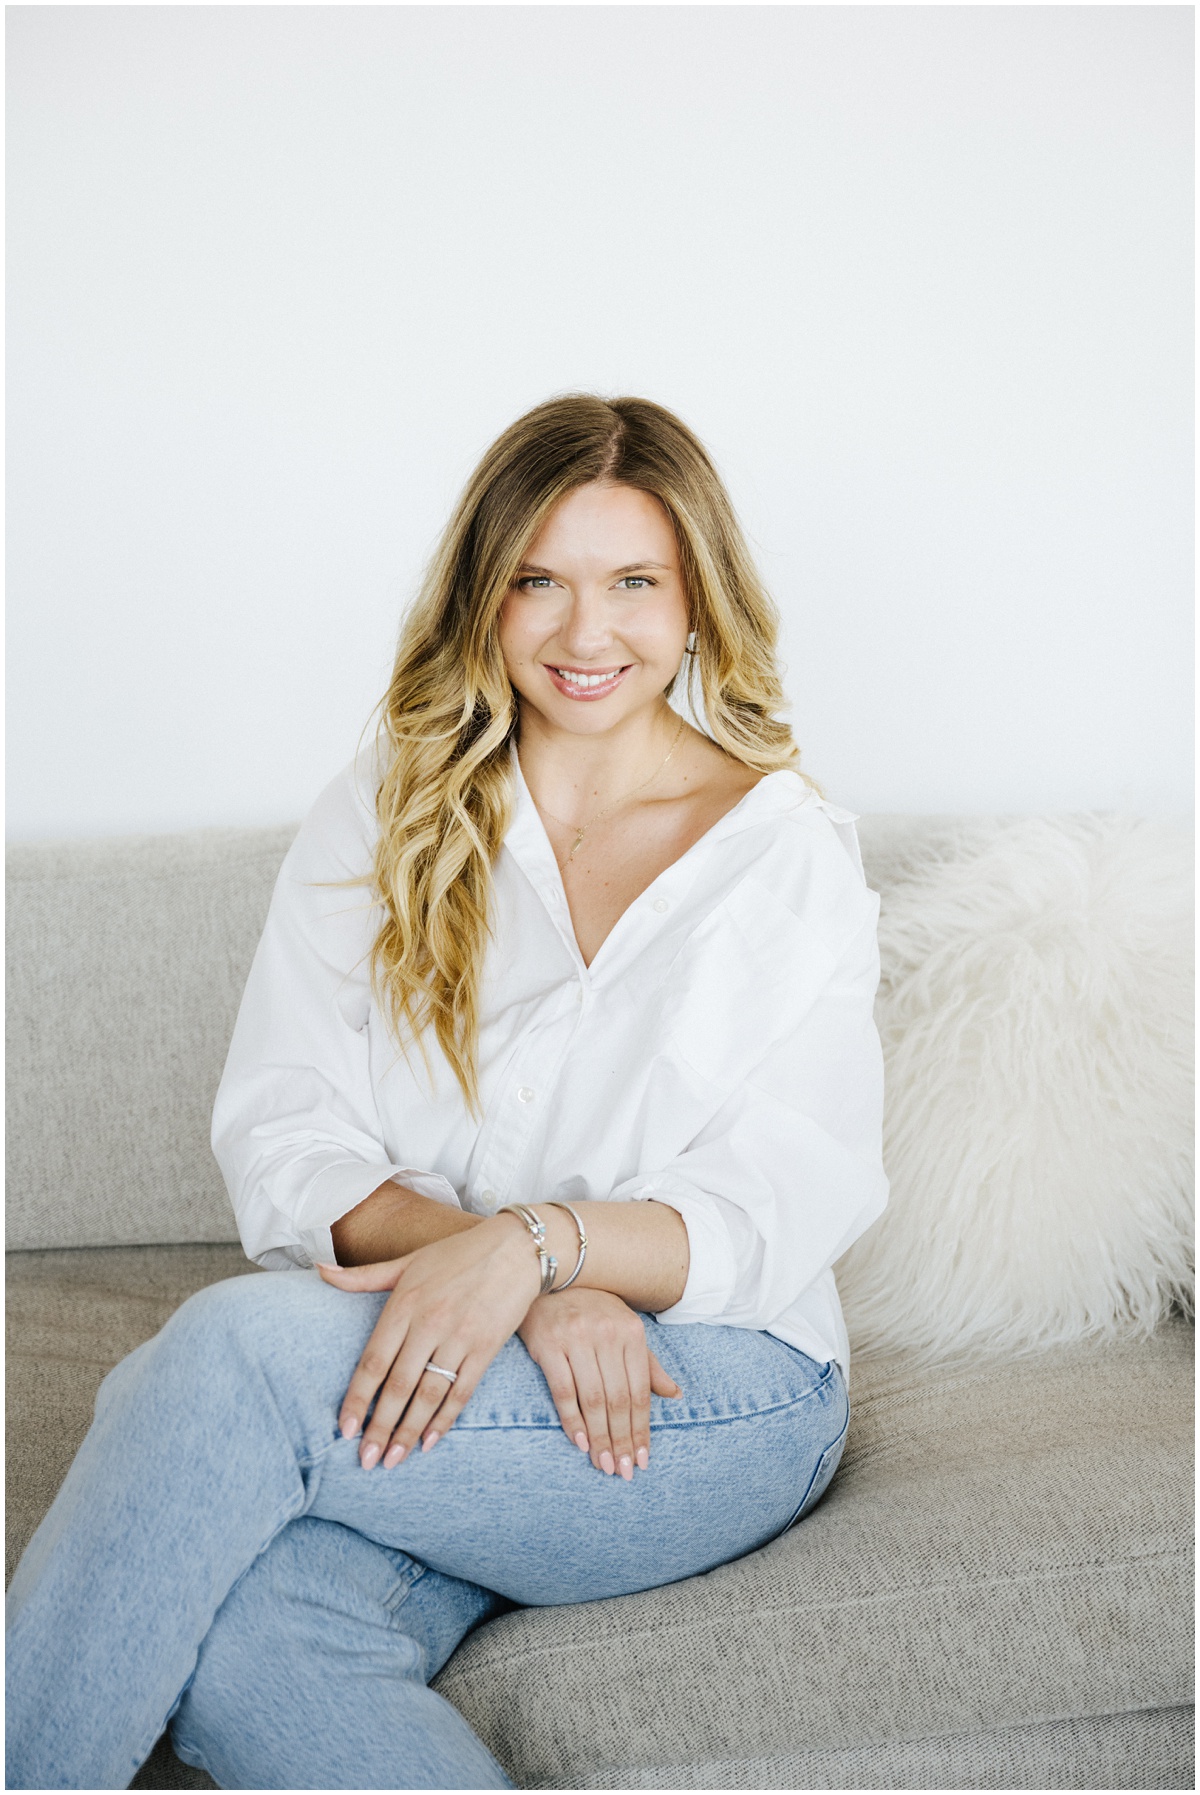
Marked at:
<point>528,831</point>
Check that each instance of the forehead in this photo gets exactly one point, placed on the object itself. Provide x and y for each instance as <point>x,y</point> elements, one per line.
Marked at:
<point>605,527</point>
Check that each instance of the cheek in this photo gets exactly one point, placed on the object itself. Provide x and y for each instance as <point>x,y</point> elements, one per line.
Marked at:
<point>514,641</point>
<point>665,632</point>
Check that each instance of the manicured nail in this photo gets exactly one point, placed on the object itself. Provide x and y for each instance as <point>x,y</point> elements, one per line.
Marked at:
<point>627,1467</point>
<point>643,1457</point>
<point>393,1455</point>
<point>368,1455</point>
<point>581,1440</point>
<point>431,1439</point>
<point>350,1427</point>
<point>606,1463</point>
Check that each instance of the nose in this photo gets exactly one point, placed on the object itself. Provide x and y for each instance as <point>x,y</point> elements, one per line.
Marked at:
<point>586,630</point>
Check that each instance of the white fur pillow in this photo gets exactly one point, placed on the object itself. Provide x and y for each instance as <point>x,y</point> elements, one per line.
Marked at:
<point>1036,1015</point>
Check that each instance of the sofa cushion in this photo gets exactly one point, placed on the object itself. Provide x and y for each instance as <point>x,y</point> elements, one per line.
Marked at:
<point>126,963</point>
<point>1004,1553</point>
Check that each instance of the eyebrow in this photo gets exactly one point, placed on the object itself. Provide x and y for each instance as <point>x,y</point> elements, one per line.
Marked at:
<point>617,573</point>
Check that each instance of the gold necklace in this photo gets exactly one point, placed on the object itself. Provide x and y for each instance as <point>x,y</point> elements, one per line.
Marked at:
<point>624,799</point>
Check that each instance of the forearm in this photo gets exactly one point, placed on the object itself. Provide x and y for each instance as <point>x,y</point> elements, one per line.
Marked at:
<point>638,1251</point>
<point>393,1221</point>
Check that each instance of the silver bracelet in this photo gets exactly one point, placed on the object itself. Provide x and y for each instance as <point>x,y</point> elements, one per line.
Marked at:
<point>583,1246</point>
<point>537,1227</point>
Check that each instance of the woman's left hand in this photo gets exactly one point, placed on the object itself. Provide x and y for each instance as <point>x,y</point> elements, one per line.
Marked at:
<point>454,1304</point>
<point>593,1353</point>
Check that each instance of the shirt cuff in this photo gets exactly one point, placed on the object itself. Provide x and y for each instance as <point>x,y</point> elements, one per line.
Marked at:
<point>338,1189</point>
<point>712,1265</point>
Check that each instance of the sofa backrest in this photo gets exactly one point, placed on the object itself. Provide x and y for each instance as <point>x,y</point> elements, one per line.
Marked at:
<point>126,962</point>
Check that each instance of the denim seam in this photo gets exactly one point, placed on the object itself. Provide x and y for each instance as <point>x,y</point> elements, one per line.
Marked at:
<point>555,1426</point>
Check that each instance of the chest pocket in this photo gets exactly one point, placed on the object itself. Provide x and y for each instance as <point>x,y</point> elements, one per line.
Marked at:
<point>743,980</point>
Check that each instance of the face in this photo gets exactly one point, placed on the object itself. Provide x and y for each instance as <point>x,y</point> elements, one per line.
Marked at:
<point>595,625</point>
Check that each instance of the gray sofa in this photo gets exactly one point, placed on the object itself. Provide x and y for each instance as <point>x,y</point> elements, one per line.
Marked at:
<point>994,1594</point>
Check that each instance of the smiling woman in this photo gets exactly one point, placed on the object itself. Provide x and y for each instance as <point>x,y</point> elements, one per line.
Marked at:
<point>557,1061</point>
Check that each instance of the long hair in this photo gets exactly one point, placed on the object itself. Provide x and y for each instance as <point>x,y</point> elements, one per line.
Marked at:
<point>450,714</point>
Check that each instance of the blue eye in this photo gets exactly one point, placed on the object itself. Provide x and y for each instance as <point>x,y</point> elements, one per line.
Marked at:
<point>534,579</point>
<point>635,581</point>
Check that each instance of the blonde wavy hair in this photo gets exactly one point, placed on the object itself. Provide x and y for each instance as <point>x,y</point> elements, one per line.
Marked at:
<point>450,714</point>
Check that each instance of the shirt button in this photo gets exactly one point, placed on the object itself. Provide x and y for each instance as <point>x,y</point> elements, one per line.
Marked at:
<point>661,905</point>
<point>524,1095</point>
<point>487,1196</point>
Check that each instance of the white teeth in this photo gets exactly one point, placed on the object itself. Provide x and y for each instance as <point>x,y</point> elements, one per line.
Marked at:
<point>586,679</point>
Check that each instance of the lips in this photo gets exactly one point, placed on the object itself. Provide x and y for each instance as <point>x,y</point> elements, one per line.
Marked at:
<point>584,685</point>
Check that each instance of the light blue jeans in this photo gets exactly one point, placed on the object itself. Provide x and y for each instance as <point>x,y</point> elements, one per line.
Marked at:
<point>217,1553</point>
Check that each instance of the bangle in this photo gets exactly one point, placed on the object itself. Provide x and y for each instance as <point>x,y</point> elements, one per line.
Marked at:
<point>583,1247</point>
<point>547,1263</point>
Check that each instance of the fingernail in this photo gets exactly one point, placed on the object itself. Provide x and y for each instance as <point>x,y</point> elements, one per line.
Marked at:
<point>606,1463</point>
<point>393,1455</point>
<point>627,1468</point>
<point>431,1439</point>
<point>581,1440</point>
<point>350,1427</point>
<point>643,1457</point>
<point>368,1455</point>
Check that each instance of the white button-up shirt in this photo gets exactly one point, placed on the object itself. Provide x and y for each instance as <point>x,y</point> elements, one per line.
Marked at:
<point>718,1055</point>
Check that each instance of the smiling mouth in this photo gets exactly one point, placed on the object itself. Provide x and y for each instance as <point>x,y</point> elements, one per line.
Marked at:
<point>579,682</point>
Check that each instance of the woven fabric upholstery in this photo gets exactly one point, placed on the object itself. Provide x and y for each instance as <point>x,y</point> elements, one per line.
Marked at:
<point>995,1592</point>
<point>126,962</point>
<point>1151,1750</point>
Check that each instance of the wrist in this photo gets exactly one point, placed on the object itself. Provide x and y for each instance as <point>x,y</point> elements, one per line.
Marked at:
<point>513,1246</point>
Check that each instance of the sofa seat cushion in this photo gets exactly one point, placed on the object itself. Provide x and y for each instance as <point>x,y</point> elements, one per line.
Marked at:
<point>1005,1553</point>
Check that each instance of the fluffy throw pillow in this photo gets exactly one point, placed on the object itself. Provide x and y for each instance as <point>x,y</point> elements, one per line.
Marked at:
<point>1036,1015</point>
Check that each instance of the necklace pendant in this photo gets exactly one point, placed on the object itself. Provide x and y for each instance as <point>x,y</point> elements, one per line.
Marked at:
<point>576,844</point>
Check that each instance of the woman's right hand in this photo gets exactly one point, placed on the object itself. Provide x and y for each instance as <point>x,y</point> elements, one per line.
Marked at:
<point>592,1351</point>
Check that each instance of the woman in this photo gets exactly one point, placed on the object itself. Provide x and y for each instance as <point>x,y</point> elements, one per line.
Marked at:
<point>557,1062</point>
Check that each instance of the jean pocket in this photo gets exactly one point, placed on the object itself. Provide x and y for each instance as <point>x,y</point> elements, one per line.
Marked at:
<point>822,1476</point>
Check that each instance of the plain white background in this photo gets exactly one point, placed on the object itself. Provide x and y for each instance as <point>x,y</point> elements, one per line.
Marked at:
<point>919,276</point>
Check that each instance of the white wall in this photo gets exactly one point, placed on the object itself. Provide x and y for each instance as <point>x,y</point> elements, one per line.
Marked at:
<point>920,276</point>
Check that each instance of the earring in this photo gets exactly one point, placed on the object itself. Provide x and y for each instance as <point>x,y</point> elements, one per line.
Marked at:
<point>691,643</point>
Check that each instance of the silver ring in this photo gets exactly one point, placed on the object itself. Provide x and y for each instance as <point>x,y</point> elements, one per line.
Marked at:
<point>441,1371</point>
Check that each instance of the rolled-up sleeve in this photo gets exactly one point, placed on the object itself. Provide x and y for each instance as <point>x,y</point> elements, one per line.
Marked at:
<point>296,1130</point>
<point>789,1171</point>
